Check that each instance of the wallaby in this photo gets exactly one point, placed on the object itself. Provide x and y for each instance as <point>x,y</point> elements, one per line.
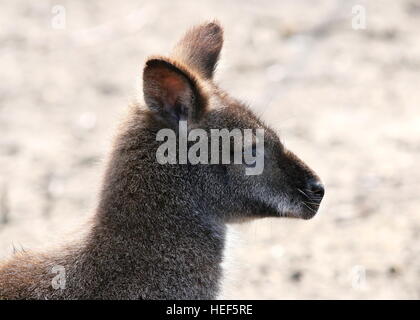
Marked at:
<point>159,229</point>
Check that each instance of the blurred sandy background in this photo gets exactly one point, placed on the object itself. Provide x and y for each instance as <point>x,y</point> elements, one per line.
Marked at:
<point>345,100</point>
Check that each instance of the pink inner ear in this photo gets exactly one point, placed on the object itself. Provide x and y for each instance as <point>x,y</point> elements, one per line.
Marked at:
<point>174,87</point>
<point>167,85</point>
<point>167,89</point>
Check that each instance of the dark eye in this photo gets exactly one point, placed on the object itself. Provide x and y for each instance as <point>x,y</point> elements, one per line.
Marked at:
<point>250,156</point>
<point>254,150</point>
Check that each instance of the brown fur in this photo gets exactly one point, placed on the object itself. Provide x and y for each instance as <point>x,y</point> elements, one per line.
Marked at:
<point>159,230</point>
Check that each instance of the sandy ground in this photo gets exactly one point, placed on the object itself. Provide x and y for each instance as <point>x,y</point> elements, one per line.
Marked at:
<point>345,100</point>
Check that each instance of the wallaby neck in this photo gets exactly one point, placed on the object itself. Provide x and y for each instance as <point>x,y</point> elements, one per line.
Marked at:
<point>164,256</point>
<point>160,243</point>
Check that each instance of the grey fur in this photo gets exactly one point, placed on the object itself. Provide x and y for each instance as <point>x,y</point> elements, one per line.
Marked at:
<point>159,230</point>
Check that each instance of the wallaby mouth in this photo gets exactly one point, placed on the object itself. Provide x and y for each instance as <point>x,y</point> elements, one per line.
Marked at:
<point>311,198</point>
<point>303,204</point>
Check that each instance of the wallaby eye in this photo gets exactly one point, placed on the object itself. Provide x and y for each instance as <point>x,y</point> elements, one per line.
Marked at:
<point>250,155</point>
<point>254,149</point>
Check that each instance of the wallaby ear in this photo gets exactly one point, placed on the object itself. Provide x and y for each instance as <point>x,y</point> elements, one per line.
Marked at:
<point>172,93</point>
<point>200,48</point>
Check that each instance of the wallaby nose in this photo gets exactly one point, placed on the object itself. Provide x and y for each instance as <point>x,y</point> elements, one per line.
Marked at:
<point>316,189</point>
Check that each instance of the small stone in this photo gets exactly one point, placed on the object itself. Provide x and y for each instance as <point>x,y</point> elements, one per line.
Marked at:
<point>296,276</point>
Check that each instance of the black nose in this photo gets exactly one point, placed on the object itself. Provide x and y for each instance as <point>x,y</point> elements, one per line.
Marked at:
<point>316,189</point>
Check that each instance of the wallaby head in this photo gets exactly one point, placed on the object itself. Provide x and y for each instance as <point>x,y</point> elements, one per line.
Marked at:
<point>159,227</point>
<point>181,87</point>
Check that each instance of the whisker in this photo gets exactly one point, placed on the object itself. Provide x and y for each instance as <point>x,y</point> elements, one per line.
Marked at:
<point>313,196</point>
<point>302,192</point>
<point>313,203</point>
<point>309,207</point>
<point>307,190</point>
